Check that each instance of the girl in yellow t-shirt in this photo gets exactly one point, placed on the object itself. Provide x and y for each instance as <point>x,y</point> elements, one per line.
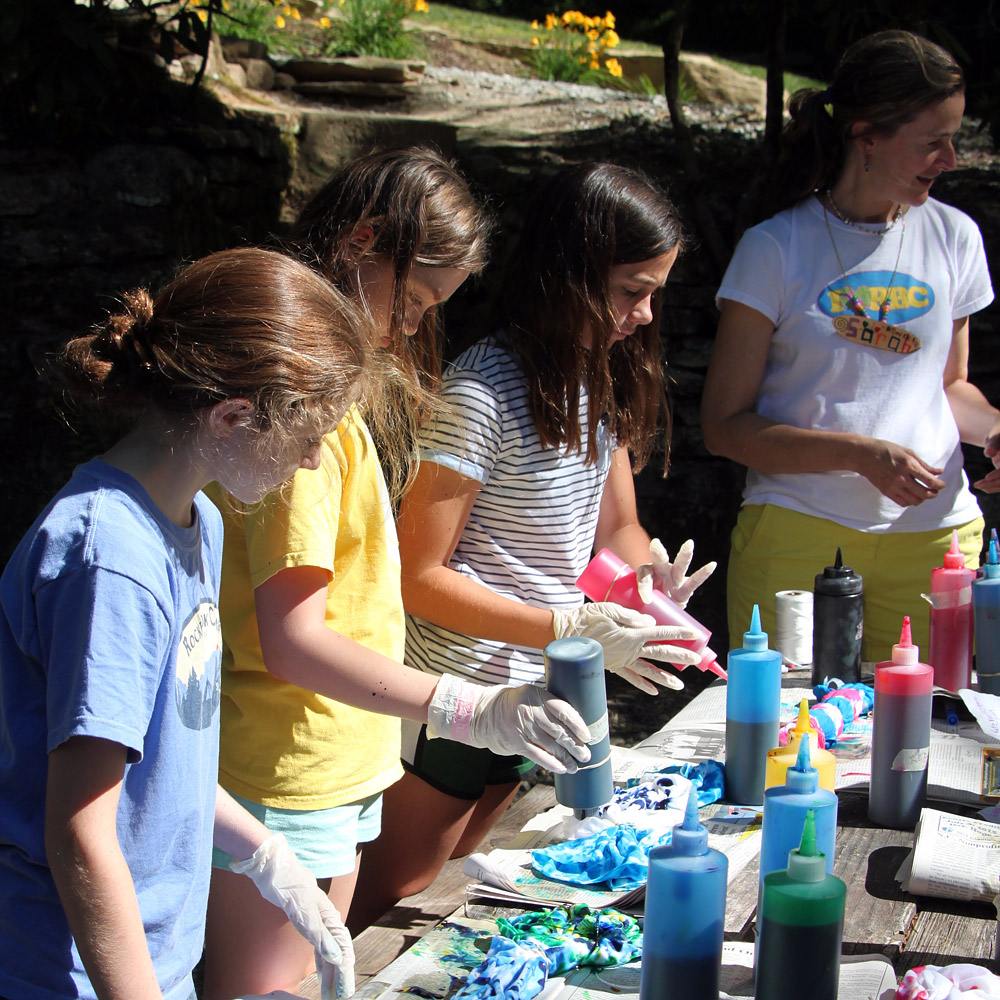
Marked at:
<point>312,617</point>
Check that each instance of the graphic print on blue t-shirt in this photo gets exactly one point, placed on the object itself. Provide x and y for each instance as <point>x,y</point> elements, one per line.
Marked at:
<point>198,681</point>
<point>908,297</point>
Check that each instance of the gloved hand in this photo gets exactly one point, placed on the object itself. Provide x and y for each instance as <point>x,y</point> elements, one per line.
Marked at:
<point>669,576</point>
<point>510,720</point>
<point>282,880</point>
<point>626,635</point>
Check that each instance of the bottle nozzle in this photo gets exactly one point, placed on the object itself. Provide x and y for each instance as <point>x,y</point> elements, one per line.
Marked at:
<point>953,558</point>
<point>904,652</point>
<point>803,777</point>
<point>993,557</point>
<point>838,563</point>
<point>807,863</point>
<point>802,725</point>
<point>756,638</point>
<point>690,837</point>
<point>802,760</point>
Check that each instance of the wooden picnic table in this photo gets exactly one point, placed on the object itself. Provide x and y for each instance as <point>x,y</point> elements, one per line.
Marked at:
<point>880,918</point>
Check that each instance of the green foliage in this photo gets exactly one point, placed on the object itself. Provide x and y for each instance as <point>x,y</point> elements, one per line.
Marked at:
<point>373,28</point>
<point>572,47</point>
<point>256,20</point>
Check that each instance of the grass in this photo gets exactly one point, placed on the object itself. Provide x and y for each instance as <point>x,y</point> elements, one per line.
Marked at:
<point>793,81</point>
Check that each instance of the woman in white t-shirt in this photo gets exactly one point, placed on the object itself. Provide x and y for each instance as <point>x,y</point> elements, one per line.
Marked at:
<point>840,370</point>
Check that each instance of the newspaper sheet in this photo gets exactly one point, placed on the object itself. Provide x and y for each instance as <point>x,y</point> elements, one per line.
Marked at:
<point>954,857</point>
<point>506,873</point>
<point>437,965</point>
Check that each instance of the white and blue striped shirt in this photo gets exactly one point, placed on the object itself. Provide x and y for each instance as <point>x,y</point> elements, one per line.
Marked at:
<point>531,529</point>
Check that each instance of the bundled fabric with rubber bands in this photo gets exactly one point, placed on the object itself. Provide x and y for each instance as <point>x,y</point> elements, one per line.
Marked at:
<point>527,949</point>
<point>838,705</point>
<point>616,858</point>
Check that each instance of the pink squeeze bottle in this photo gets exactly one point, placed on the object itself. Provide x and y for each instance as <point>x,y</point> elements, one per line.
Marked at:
<point>951,620</point>
<point>608,578</point>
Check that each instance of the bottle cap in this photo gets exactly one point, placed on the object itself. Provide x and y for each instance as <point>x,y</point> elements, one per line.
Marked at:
<point>838,580</point>
<point>993,559</point>
<point>807,863</point>
<point>803,777</point>
<point>690,837</point>
<point>953,558</point>
<point>755,639</point>
<point>904,651</point>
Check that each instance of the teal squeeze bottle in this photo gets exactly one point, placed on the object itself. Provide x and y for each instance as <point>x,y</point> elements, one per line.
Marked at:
<point>685,915</point>
<point>785,809</point>
<point>753,704</point>
<point>986,619</point>
<point>801,926</point>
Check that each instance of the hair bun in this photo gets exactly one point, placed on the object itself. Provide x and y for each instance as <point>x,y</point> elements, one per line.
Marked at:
<point>127,331</point>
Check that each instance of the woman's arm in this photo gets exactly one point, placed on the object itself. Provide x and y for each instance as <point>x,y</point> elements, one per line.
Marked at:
<point>731,427</point>
<point>300,648</point>
<point>94,882</point>
<point>431,519</point>
<point>978,421</point>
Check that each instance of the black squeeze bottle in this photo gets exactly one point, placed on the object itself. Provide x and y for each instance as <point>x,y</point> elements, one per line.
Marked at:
<point>838,615</point>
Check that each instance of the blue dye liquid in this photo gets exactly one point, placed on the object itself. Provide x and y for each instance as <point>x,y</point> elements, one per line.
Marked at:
<point>747,744</point>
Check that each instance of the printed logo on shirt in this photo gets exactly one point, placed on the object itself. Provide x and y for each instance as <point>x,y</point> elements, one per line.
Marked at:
<point>198,681</point>
<point>908,298</point>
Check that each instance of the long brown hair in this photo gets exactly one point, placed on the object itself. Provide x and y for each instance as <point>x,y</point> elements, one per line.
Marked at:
<point>587,219</point>
<point>885,79</point>
<point>421,212</point>
<point>247,323</point>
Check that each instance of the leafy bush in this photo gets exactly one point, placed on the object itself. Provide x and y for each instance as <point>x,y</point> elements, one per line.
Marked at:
<point>372,28</point>
<point>573,47</point>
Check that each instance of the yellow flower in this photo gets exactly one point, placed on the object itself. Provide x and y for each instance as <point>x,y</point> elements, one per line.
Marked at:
<point>614,67</point>
<point>594,64</point>
<point>279,21</point>
<point>550,21</point>
<point>325,22</point>
<point>225,4</point>
<point>202,15</point>
<point>534,25</point>
<point>420,6</point>
<point>609,19</point>
<point>286,10</point>
<point>296,14</point>
<point>534,41</point>
<point>593,34</point>
<point>610,39</point>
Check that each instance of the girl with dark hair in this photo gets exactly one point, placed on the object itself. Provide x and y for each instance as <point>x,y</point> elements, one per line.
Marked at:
<point>313,683</point>
<point>840,369</point>
<point>520,478</point>
<point>109,636</point>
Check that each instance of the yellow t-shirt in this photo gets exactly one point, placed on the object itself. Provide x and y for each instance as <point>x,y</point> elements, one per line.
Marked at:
<point>282,745</point>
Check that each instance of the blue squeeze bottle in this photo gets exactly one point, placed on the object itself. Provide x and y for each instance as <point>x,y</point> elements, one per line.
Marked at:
<point>685,915</point>
<point>753,705</point>
<point>785,808</point>
<point>986,622</point>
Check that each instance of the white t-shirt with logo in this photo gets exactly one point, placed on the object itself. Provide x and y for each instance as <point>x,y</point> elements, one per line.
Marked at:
<point>830,369</point>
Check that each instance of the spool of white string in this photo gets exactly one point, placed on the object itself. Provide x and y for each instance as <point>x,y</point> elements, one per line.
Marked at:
<point>793,633</point>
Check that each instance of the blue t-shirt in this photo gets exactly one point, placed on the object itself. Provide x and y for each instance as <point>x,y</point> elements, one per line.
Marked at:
<point>109,628</point>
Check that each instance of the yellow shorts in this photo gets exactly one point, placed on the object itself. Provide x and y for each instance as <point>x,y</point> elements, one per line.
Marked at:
<point>774,549</point>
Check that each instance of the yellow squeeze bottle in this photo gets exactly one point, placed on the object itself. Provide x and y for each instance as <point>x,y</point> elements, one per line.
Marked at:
<point>780,759</point>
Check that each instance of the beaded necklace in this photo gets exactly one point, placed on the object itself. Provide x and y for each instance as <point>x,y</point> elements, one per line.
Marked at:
<point>852,300</point>
<point>848,221</point>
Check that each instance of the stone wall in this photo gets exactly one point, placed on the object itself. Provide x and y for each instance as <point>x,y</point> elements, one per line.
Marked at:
<point>80,226</point>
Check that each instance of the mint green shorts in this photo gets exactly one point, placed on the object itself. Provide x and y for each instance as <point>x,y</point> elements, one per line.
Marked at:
<point>774,549</point>
<point>324,840</point>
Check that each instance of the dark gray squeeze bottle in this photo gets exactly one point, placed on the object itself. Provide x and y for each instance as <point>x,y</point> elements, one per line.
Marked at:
<point>838,622</point>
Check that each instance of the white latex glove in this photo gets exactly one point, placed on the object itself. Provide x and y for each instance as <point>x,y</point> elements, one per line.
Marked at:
<point>668,576</point>
<point>282,880</point>
<point>510,720</point>
<point>626,635</point>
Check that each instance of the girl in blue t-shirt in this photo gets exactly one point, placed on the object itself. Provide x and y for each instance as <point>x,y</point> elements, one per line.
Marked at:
<point>109,633</point>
